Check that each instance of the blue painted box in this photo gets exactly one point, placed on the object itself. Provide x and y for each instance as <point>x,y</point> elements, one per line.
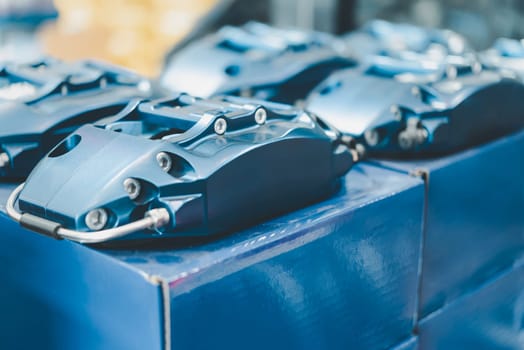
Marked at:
<point>342,273</point>
<point>410,344</point>
<point>474,218</point>
<point>491,317</point>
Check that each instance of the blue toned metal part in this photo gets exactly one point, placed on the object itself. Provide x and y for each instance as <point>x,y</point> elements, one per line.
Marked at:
<point>256,60</point>
<point>187,166</point>
<point>379,37</point>
<point>405,49</point>
<point>506,54</point>
<point>395,110</point>
<point>41,103</point>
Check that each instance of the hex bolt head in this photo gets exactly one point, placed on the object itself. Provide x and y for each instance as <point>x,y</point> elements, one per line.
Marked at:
<point>164,161</point>
<point>4,160</point>
<point>103,83</point>
<point>220,126</point>
<point>476,67</point>
<point>451,72</point>
<point>404,140</point>
<point>372,137</point>
<point>132,187</point>
<point>361,150</point>
<point>260,116</point>
<point>96,219</point>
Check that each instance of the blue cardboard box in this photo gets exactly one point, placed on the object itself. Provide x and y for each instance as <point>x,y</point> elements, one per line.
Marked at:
<point>491,317</point>
<point>342,273</point>
<point>410,344</point>
<point>474,222</point>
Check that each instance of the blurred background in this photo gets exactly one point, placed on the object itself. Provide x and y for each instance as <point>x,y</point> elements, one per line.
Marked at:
<point>140,34</point>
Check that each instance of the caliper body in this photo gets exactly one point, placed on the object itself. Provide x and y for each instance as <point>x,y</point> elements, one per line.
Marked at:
<point>256,60</point>
<point>379,37</point>
<point>411,50</point>
<point>395,111</point>
<point>506,54</point>
<point>192,167</point>
<point>41,103</point>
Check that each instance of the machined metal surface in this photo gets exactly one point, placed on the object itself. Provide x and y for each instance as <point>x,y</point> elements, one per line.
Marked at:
<point>383,37</point>
<point>205,166</point>
<point>256,60</point>
<point>397,110</point>
<point>506,54</point>
<point>42,102</point>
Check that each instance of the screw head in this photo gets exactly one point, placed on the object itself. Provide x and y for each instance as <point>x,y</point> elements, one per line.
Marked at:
<point>372,137</point>
<point>132,187</point>
<point>164,161</point>
<point>220,126</point>
<point>404,140</point>
<point>260,116</point>
<point>144,85</point>
<point>103,83</point>
<point>451,72</point>
<point>4,160</point>
<point>476,67</point>
<point>96,219</point>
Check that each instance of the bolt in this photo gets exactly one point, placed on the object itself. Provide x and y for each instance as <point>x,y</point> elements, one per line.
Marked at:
<point>164,161</point>
<point>96,219</point>
<point>132,187</point>
<point>372,137</point>
<point>4,160</point>
<point>361,150</point>
<point>260,116</point>
<point>451,72</point>
<point>404,140</point>
<point>220,126</point>
<point>159,216</point>
<point>476,67</point>
<point>347,140</point>
<point>144,85</point>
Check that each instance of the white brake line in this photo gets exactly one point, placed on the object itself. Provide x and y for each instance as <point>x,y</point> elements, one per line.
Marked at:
<point>154,218</point>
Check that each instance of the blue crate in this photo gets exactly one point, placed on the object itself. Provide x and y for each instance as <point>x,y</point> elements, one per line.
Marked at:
<point>491,317</point>
<point>474,218</point>
<point>336,274</point>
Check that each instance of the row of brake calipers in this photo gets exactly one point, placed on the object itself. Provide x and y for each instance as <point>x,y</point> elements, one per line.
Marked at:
<point>169,163</point>
<point>396,89</point>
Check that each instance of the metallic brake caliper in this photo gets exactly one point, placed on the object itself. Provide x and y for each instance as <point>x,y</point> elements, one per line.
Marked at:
<point>41,103</point>
<point>256,60</point>
<point>183,166</point>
